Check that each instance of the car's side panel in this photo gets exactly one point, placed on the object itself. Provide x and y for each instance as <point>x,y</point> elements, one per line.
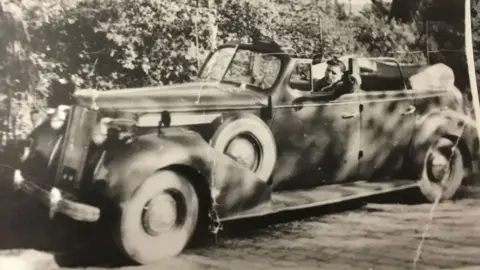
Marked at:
<point>387,124</point>
<point>317,142</point>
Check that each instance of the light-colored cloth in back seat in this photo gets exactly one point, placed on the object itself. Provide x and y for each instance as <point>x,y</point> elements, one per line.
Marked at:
<point>434,77</point>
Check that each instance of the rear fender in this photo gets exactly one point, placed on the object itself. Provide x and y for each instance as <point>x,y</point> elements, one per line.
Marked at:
<point>232,188</point>
<point>444,123</point>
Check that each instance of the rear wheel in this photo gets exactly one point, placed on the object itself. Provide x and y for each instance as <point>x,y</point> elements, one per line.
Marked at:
<point>160,219</point>
<point>443,171</point>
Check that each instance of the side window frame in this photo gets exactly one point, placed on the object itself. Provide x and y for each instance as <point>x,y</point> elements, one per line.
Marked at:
<point>298,62</point>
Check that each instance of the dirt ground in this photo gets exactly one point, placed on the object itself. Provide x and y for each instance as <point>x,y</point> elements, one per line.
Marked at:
<point>379,234</point>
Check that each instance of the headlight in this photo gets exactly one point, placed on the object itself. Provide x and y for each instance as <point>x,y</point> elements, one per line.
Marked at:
<point>18,178</point>
<point>100,132</point>
<point>59,116</point>
<point>123,128</point>
<point>27,148</point>
<point>55,196</point>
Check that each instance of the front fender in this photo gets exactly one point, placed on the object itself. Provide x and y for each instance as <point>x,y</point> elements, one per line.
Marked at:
<point>444,123</point>
<point>232,187</point>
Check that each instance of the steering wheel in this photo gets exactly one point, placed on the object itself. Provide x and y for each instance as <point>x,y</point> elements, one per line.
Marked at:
<point>333,85</point>
<point>260,81</point>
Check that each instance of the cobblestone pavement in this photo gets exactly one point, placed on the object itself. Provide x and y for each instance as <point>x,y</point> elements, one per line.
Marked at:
<point>377,235</point>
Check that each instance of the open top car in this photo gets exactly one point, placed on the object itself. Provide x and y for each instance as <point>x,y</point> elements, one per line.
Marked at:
<point>249,137</point>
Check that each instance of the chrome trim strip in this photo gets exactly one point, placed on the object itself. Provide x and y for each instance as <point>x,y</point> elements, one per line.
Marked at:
<point>75,210</point>
<point>177,119</point>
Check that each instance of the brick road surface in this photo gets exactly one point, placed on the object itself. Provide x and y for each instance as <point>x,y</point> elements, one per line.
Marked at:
<point>378,235</point>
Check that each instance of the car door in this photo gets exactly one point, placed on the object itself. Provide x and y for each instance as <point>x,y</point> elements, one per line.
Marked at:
<point>318,138</point>
<point>387,124</point>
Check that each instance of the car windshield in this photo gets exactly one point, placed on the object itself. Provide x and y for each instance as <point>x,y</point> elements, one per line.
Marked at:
<point>242,66</point>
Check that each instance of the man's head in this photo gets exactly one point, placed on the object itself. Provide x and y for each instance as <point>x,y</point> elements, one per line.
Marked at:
<point>334,71</point>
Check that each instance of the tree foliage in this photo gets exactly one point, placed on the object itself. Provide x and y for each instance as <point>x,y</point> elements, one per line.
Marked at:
<point>475,13</point>
<point>56,46</point>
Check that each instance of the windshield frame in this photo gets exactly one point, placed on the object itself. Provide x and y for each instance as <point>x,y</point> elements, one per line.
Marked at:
<point>282,56</point>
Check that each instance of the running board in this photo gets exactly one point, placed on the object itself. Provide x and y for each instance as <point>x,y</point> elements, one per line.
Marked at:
<point>283,201</point>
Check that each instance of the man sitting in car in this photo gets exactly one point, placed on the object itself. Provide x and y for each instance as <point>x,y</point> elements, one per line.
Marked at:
<point>337,79</point>
<point>333,73</point>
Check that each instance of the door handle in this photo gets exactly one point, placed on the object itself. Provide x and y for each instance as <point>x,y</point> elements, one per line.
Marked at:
<point>410,110</point>
<point>351,115</point>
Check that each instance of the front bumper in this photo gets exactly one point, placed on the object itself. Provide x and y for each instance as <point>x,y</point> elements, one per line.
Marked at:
<point>56,202</point>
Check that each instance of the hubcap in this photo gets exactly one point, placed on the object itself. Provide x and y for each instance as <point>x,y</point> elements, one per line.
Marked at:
<point>439,167</point>
<point>160,214</point>
<point>243,150</point>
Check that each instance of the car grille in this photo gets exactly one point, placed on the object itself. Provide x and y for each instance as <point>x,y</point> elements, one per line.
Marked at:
<point>57,158</point>
<point>40,165</point>
<point>75,148</point>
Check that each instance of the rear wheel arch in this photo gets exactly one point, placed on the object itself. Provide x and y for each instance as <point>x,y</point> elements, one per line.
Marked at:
<point>462,146</point>
<point>420,142</point>
<point>451,132</point>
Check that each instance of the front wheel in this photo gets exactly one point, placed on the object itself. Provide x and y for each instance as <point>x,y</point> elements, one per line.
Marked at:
<point>443,171</point>
<point>160,218</point>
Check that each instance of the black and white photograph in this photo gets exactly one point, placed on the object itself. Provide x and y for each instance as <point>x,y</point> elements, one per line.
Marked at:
<point>132,138</point>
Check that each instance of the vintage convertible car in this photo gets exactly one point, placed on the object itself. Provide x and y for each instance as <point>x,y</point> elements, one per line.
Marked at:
<point>249,137</point>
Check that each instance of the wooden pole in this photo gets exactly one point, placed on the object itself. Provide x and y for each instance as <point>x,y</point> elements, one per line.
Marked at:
<point>212,23</point>
<point>427,51</point>
<point>196,40</point>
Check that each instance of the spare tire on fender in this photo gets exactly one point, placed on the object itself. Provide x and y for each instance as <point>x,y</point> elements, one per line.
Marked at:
<point>249,134</point>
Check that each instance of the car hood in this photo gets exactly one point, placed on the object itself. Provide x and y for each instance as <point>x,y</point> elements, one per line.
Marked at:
<point>181,97</point>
